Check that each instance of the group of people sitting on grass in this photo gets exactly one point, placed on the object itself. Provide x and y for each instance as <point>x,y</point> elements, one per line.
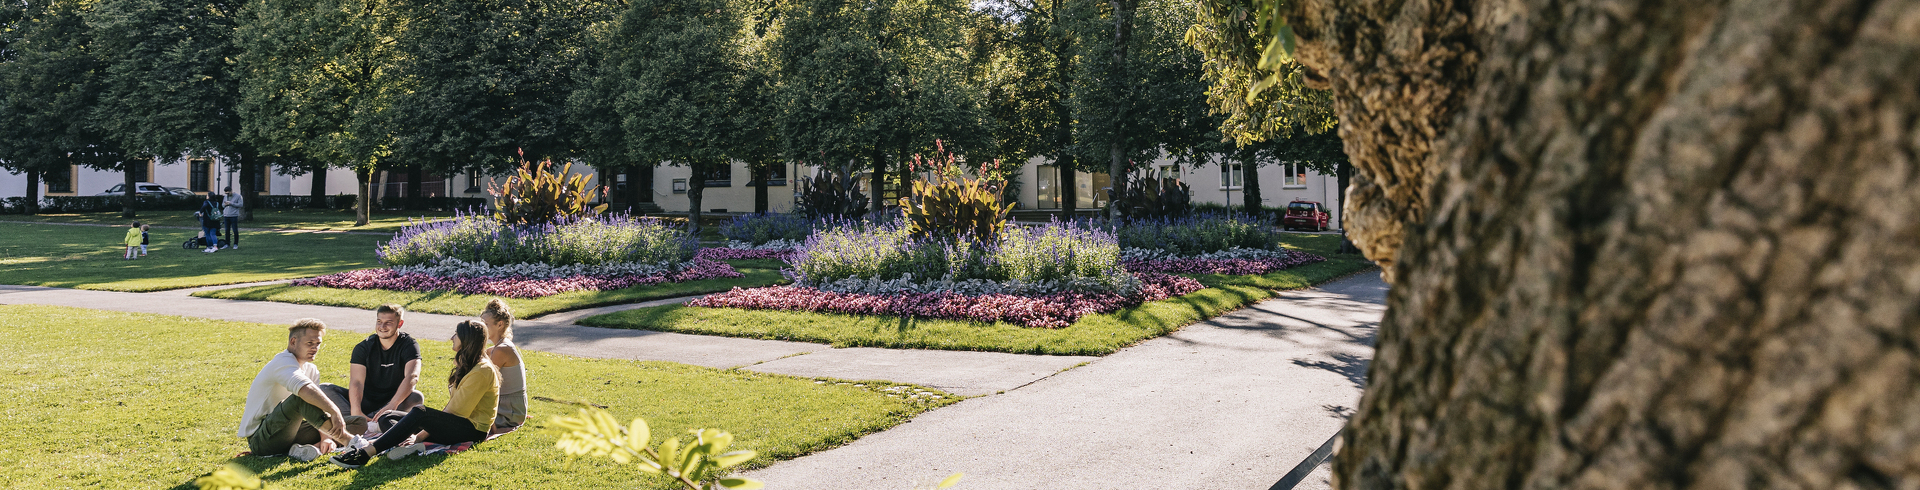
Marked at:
<point>380,410</point>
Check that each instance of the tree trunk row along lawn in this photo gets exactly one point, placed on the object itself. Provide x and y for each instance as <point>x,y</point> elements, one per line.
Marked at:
<point>1632,244</point>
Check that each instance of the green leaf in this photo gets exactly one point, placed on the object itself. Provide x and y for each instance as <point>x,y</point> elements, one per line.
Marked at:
<point>731,459</point>
<point>638,435</point>
<point>950,481</point>
<point>741,483</point>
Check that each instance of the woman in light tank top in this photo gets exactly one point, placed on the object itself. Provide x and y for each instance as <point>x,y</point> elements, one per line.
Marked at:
<point>505,356</point>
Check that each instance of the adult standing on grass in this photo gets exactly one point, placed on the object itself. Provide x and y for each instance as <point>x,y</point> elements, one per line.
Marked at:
<point>513,375</point>
<point>286,413</point>
<point>384,369</point>
<point>474,384</point>
<point>230,211</point>
<point>209,215</point>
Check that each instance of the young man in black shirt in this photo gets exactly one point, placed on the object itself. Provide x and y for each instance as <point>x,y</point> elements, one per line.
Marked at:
<point>385,368</point>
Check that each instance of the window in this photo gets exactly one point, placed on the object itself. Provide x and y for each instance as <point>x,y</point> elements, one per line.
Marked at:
<point>1047,189</point>
<point>199,175</point>
<point>260,174</point>
<point>679,186</point>
<point>720,176</point>
<point>142,171</point>
<point>777,175</point>
<point>1232,176</point>
<point>1294,174</point>
<point>473,182</point>
<point>619,186</point>
<point>1169,172</point>
<point>61,181</point>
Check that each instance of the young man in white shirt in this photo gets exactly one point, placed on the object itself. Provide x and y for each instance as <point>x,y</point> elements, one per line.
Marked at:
<point>286,412</point>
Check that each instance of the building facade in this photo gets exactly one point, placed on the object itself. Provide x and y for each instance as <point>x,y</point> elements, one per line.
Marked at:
<point>728,190</point>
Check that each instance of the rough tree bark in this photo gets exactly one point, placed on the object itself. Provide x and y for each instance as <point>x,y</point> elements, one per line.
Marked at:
<point>696,188</point>
<point>249,173</point>
<point>129,191</point>
<point>1123,15</point>
<point>1636,244</point>
<point>1069,186</point>
<point>317,195</point>
<point>1250,185</point>
<point>32,206</point>
<point>363,205</point>
<point>759,176</point>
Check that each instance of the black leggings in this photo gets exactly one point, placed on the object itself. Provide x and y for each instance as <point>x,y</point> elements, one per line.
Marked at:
<point>441,427</point>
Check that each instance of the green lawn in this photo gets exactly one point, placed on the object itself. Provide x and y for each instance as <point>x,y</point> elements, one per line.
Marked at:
<point>1091,335</point>
<point>301,219</point>
<point>125,400</point>
<point>754,273</point>
<point>89,257</point>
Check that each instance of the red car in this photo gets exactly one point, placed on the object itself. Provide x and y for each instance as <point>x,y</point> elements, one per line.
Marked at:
<point>1305,214</point>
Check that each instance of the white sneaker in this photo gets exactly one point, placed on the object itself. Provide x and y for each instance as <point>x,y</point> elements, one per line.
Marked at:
<point>401,452</point>
<point>208,250</point>
<point>304,452</point>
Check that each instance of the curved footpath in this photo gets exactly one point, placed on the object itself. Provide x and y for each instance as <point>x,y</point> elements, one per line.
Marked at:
<point>1234,402</point>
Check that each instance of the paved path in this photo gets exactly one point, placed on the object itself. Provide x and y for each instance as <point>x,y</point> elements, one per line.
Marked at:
<point>1234,402</point>
<point>964,373</point>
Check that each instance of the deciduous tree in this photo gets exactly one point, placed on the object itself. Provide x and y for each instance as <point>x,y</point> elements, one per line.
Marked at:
<point>1632,244</point>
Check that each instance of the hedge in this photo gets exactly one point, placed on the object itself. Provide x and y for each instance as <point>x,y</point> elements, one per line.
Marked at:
<point>91,204</point>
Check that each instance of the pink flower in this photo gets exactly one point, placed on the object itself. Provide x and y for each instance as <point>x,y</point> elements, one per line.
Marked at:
<point>1058,310</point>
<point>512,286</point>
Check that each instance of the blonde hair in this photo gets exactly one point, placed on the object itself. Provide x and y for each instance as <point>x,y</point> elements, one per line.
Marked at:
<point>399,312</point>
<point>498,311</point>
<point>313,324</point>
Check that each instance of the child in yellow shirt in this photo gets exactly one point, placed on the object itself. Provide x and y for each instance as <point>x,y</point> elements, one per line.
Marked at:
<point>133,240</point>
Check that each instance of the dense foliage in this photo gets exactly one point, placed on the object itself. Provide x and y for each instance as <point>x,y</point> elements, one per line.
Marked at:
<point>598,240</point>
<point>1198,234</point>
<point>538,196</point>
<point>760,228</point>
<point>947,203</point>
<point>1054,257</point>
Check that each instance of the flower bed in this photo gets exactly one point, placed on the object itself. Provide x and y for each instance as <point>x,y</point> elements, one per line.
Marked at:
<point>1057,310</point>
<point>1198,234</point>
<point>1230,266</point>
<point>514,286</point>
<point>1066,256</point>
<point>592,240</point>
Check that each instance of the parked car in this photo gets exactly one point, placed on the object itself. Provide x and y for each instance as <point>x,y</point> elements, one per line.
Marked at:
<point>1305,215</point>
<point>181,191</point>
<point>141,188</point>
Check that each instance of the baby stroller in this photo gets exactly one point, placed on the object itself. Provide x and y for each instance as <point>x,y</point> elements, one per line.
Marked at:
<point>199,240</point>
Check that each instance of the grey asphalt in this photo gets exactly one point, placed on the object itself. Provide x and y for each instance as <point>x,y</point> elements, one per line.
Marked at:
<point>963,373</point>
<point>1235,402</point>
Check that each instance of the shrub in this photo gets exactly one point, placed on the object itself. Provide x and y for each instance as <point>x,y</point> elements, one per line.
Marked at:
<point>1198,234</point>
<point>585,241</point>
<point>831,194</point>
<point>758,229</point>
<point>1057,256</point>
<point>1147,197</point>
<point>535,196</point>
<point>952,206</point>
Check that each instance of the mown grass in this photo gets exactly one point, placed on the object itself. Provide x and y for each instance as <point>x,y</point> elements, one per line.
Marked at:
<point>292,219</point>
<point>90,257</point>
<point>754,273</point>
<point>1100,334</point>
<point>127,400</point>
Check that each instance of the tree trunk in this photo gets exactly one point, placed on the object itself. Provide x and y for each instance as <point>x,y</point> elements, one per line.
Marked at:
<point>127,193</point>
<point>318,195</point>
<point>415,188</point>
<point>363,206</point>
<point>1660,244</point>
<point>32,206</point>
<point>1069,186</point>
<point>759,173</point>
<point>879,181</point>
<point>1123,11</point>
<point>636,188</point>
<point>1250,189</point>
<point>696,187</point>
<point>249,173</point>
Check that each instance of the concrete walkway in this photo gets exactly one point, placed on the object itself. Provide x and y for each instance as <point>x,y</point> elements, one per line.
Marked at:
<point>1234,402</point>
<point>964,373</point>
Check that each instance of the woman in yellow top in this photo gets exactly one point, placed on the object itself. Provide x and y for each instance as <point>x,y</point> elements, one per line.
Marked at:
<point>475,387</point>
